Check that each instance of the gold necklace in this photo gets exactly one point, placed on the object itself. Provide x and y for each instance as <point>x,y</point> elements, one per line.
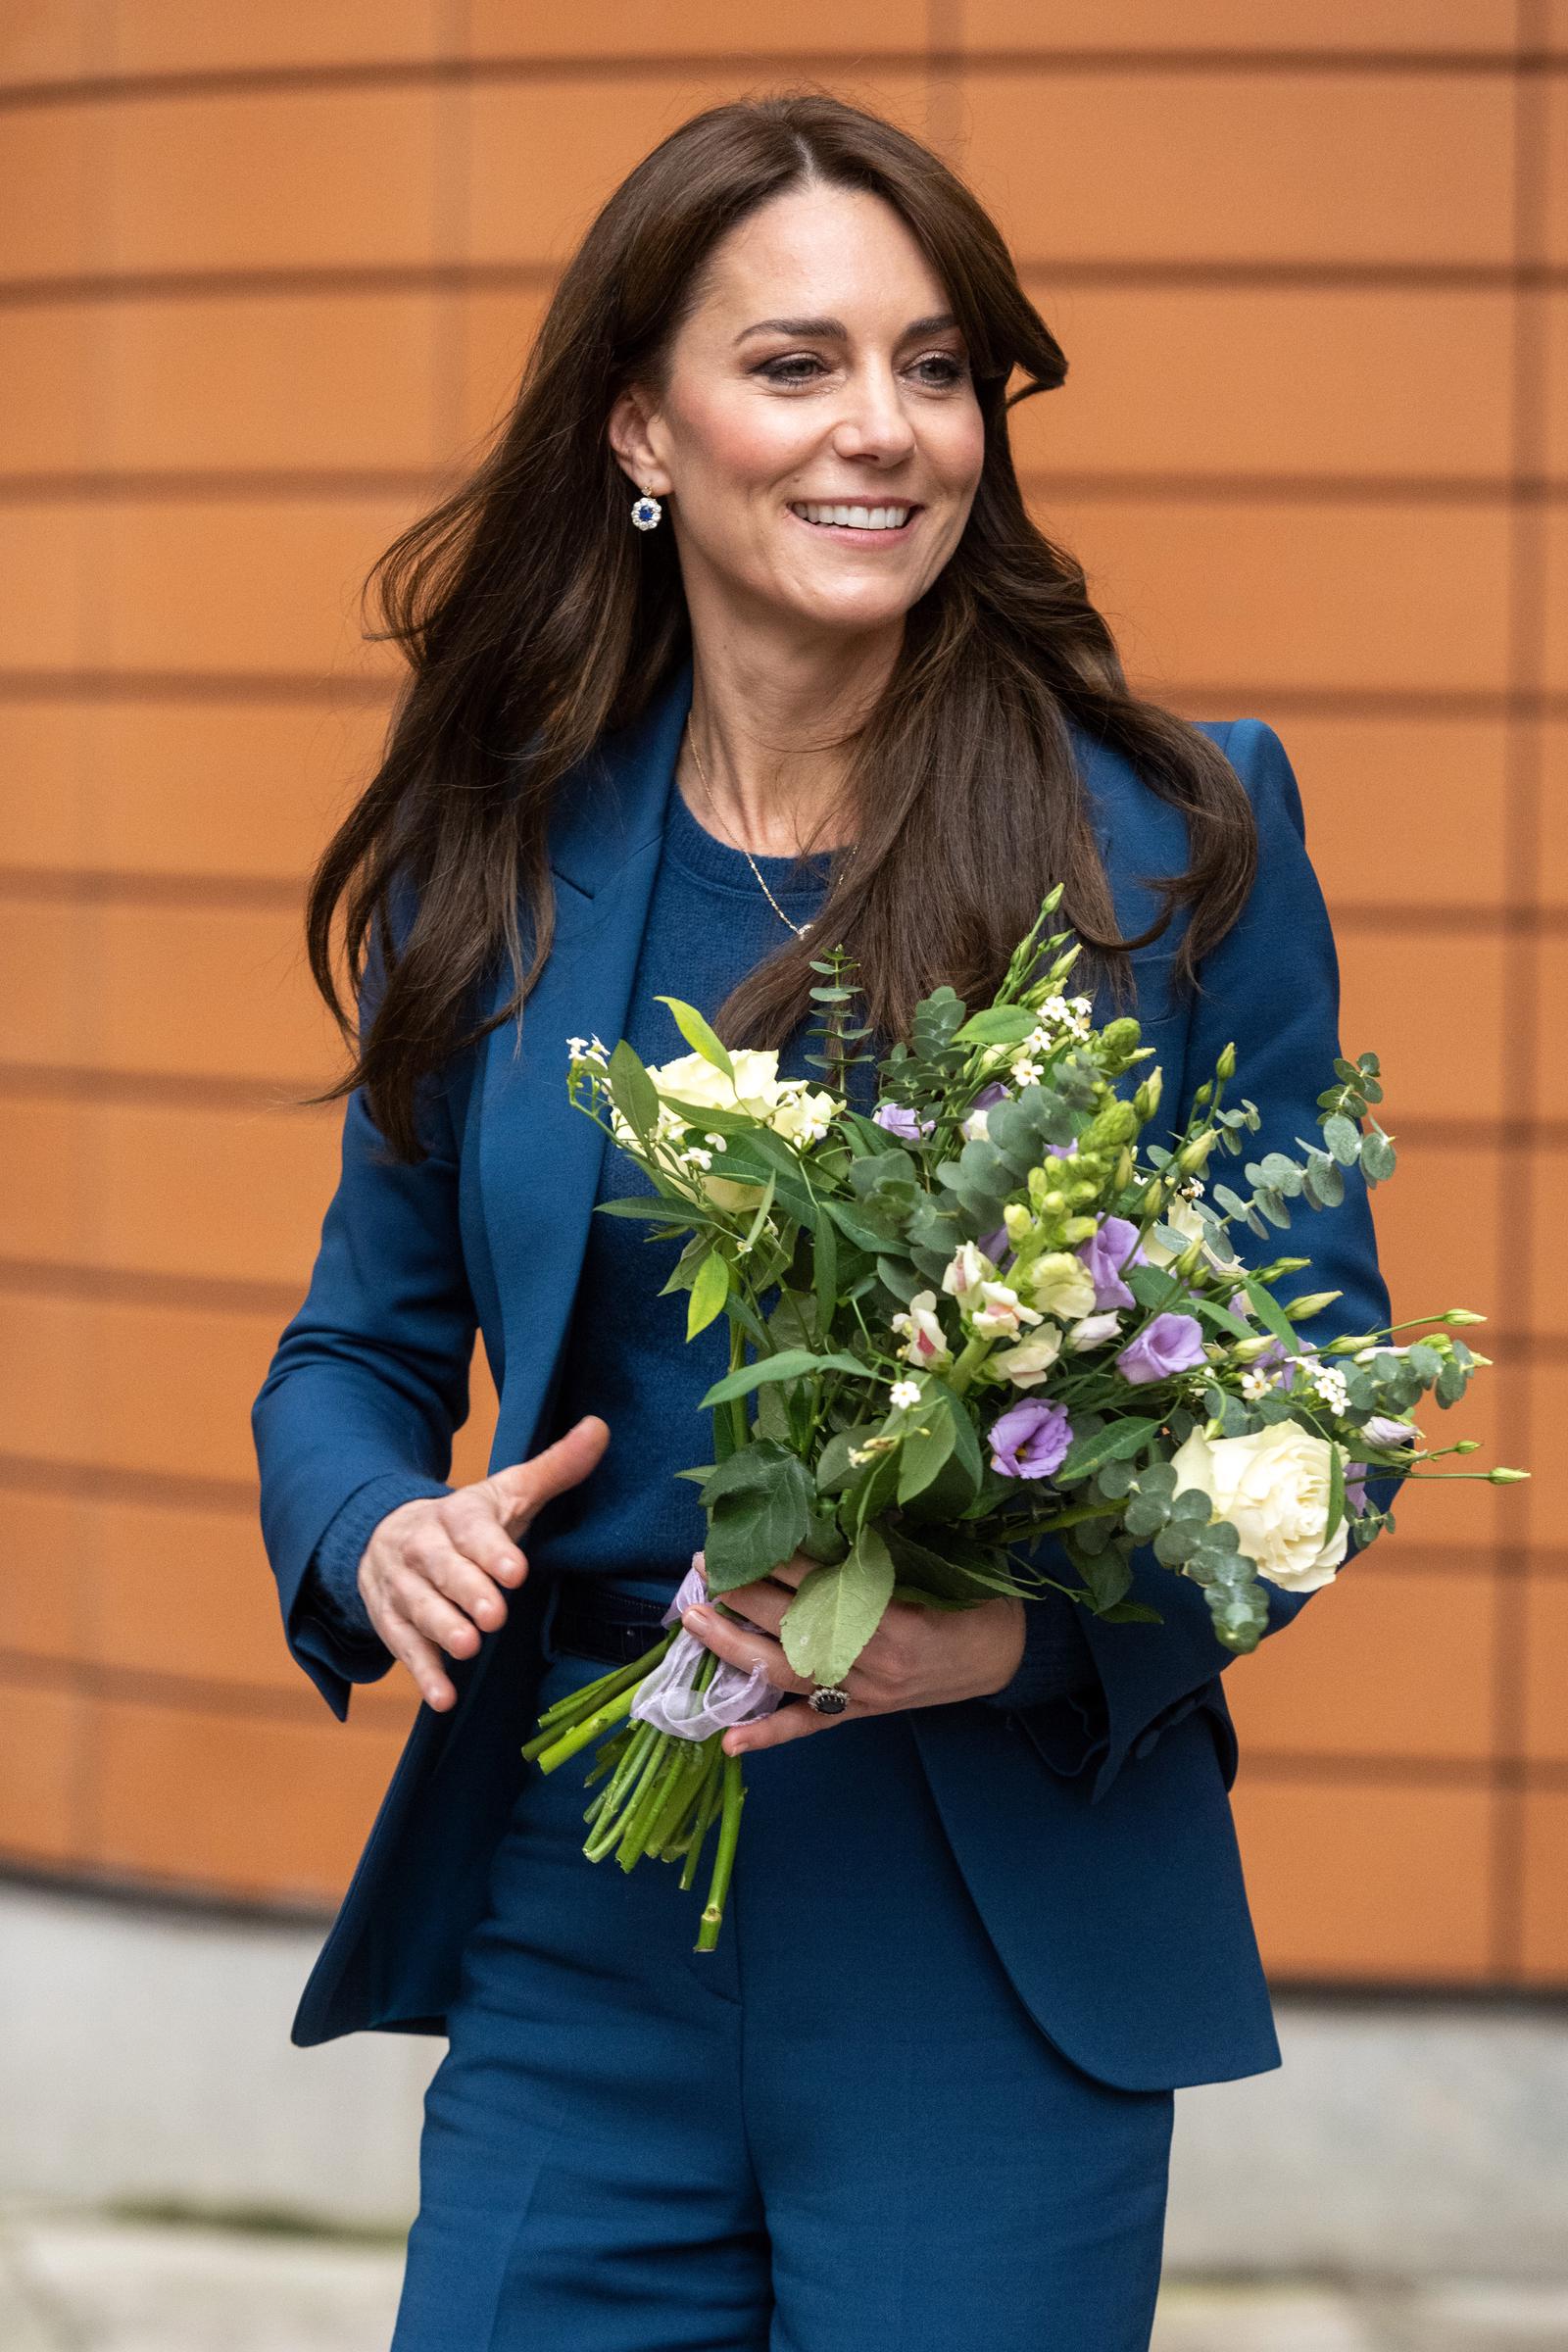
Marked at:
<point>800,929</point>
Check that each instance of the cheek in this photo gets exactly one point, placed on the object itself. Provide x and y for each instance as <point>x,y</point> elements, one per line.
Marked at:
<point>741,445</point>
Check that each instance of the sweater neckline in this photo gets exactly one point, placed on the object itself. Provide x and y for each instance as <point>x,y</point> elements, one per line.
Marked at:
<point>702,853</point>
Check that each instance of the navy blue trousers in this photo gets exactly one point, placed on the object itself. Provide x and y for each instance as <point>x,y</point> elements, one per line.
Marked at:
<point>842,2129</point>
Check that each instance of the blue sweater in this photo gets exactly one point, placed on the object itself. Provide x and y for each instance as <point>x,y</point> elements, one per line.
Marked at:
<point>634,1520</point>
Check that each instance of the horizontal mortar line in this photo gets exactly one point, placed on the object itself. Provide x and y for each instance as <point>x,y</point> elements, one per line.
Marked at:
<point>84,1882</point>
<point>89,886</point>
<point>1044,274</point>
<point>191,483</point>
<point>131,1286</point>
<point>163,1090</point>
<point>312,690</point>
<point>1286,1767</point>
<point>437,73</point>
<point>152,1686</point>
<point>1166,487</point>
<point>1526,705</point>
<point>102,1482</point>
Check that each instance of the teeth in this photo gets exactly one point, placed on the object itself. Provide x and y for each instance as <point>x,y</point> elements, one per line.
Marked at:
<point>857,518</point>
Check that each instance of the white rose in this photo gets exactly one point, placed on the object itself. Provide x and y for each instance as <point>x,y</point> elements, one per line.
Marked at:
<point>1273,1487</point>
<point>788,1106</point>
<point>1059,1283</point>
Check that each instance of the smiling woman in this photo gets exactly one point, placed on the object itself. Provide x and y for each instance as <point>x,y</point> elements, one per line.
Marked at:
<point>739,639</point>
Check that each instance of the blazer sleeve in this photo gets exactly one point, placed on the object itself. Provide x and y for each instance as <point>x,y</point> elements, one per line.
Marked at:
<point>368,1381</point>
<point>1272,984</point>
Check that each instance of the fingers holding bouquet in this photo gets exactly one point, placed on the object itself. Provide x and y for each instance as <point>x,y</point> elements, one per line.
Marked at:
<point>915,1658</point>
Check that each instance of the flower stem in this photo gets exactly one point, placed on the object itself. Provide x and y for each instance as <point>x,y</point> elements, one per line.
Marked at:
<point>729,1828</point>
<point>549,1749</point>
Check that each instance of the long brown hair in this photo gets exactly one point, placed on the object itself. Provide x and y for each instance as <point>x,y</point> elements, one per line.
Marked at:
<point>534,619</point>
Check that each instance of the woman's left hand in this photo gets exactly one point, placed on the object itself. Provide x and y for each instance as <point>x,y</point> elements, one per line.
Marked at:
<point>917,1657</point>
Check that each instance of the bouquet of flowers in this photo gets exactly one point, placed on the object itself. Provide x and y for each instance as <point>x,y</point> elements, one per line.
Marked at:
<point>983,1314</point>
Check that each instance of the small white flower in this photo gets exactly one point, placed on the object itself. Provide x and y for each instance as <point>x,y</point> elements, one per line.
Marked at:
<point>695,1157</point>
<point>1025,1071</point>
<point>903,1394</point>
<point>1256,1385</point>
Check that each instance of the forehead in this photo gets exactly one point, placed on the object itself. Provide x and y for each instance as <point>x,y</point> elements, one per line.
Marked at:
<point>819,249</point>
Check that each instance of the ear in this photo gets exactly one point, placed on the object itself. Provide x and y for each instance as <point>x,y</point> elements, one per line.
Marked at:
<point>633,437</point>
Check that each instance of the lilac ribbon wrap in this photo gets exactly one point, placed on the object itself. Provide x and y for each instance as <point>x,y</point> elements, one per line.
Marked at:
<point>665,1698</point>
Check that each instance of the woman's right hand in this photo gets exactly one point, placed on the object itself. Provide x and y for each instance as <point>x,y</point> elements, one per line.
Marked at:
<point>429,1574</point>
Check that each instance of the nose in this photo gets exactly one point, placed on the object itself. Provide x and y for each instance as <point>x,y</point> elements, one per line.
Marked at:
<point>874,424</point>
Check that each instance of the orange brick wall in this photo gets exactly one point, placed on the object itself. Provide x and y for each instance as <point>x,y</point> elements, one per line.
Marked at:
<point>266,275</point>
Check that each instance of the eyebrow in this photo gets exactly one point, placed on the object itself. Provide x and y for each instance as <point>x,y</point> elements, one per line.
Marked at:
<point>835,331</point>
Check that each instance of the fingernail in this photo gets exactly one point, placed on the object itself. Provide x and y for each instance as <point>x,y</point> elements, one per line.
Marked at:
<point>697,1615</point>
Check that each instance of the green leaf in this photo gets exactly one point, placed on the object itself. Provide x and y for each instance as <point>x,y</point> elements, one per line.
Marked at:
<point>836,1610</point>
<point>1269,1312</point>
<point>1336,1493</point>
<point>998,1025</point>
<point>632,1091</point>
<point>792,1363</point>
<point>1118,1439</point>
<point>1377,1157</point>
<point>1342,1138</point>
<point>698,1035</point>
<point>708,1294</point>
<point>759,1517</point>
<point>825,1269</point>
<point>926,1446</point>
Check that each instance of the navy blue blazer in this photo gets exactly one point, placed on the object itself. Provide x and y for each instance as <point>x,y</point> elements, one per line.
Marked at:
<point>1096,1839</point>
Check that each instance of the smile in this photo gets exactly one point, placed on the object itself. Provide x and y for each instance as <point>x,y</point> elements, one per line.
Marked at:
<point>854,519</point>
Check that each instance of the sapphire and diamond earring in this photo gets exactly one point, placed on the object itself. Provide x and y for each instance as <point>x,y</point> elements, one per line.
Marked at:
<point>645,511</point>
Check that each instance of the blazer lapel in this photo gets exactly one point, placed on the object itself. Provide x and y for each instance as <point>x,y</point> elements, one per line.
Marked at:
<point>540,1157</point>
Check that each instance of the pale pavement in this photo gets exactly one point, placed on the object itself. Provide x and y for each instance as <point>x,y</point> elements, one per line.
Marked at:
<point>70,2282</point>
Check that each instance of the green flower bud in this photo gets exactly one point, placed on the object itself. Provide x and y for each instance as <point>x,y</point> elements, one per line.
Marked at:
<point>1461,1314</point>
<point>1469,1445</point>
<point>1119,1036</point>
<point>1312,1304</point>
<point>1146,1099</point>
<point>1123,1174</point>
<point>1193,1157</point>
<point>1117,1124</point>
<point>1225,1067</point>
<point>1506,1478</point>
<point>1018,1222</point>
<point>1244,1350</point>
<point>1079,1229</point>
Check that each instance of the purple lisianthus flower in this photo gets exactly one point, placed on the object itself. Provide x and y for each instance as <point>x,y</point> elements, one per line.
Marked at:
<point>1104,1250</point>
<point>1380,1430</point>
<point>1030,1439</point>
<point>1169,1344</point>
<point>1355,1485</point>
<point>899,1120</point>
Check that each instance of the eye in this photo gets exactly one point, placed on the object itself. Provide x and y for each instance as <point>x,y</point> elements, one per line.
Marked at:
<point>941,369</point>
<point>795,368</point>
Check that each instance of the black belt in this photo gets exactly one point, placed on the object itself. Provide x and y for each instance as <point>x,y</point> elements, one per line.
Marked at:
<point>593,1621</point>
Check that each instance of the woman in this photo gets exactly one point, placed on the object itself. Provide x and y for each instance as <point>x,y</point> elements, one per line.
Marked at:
<point>740,642</point>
